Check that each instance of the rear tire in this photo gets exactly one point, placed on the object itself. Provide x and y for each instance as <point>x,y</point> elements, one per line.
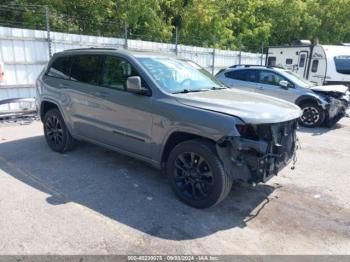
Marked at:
<point>313,115</point>
<point>197,175</point>
<point>56,132</point>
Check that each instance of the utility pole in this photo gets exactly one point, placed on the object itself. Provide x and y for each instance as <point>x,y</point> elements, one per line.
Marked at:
<point>126,35</point>
<point>47,18</point>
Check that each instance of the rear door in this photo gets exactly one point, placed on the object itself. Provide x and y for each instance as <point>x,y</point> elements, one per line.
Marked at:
<point>82,87</point>
<point>244,79</point>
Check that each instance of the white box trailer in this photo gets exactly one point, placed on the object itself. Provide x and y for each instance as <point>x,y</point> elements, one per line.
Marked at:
<point>321,64</point>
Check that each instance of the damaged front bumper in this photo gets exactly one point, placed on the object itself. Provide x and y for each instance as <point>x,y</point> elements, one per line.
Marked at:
<point>257,159</point>
<point>336,110</point>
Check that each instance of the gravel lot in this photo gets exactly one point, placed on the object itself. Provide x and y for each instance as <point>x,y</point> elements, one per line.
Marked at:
<point>94,201</point>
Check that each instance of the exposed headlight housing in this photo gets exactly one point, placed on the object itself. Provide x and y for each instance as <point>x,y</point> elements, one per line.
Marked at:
<point>247,131</point>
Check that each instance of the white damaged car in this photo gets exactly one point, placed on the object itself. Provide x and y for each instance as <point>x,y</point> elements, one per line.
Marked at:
<point>321,105</point>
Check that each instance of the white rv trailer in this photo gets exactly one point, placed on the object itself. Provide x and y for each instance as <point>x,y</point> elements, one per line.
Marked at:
<point>321,64</point>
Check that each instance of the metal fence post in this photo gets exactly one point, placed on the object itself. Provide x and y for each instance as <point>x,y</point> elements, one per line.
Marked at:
<point>213,62</point>
<point>176,40</point>
<point>262,53</point>
<point>47,18</point>
<point>240,51</point>
<point>126,35</point>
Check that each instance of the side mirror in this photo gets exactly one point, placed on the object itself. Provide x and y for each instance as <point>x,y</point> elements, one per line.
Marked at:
<point>133,85</point>
<point>284,84</point>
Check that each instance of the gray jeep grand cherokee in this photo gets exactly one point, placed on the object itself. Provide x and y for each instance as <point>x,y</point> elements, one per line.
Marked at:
<point>169,113</point>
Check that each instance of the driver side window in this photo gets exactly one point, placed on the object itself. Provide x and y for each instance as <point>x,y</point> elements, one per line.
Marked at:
<point>270,78</point>
<point>115,72</point>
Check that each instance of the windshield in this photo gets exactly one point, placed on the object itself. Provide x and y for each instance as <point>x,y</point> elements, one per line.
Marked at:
<point>342,64</point>
<point>297,80</point>
<point>176,76</point>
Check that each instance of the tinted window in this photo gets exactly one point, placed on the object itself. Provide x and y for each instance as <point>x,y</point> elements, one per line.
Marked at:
<point>85,68</point>
<point>115,72</point>
<point>60,67</point>
<point>289,61</point>
<point>302,60</point>
<point>270,78</point>
<point>342,64</point>
<point>237,74</point>
<point>271,61</point>
<point>249,75</point>
<point>314,66</point>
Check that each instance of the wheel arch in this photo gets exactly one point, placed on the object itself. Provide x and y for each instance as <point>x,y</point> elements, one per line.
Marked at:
<point>178,137</point>
<point>306,99</point>
<point>45,106</point>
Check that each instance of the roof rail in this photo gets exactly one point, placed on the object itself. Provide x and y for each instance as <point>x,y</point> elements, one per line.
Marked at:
<point>245,65</point>
<point>234,66</point>
<point>92,48</point>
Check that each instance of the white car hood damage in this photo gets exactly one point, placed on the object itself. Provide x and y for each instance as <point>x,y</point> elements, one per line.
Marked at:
<point>252,108</point>
<point>331,88</point>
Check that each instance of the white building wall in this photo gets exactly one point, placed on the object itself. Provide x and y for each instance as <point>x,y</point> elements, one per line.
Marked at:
<point>24,53</point>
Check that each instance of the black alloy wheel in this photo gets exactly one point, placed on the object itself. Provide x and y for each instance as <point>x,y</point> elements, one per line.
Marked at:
<point>56,132</point>
<point>197,175</point>
<point>313,115</point>
<point>193,176</point>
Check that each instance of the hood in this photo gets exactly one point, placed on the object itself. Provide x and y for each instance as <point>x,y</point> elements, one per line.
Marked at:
<point>252,108</point>
<point>330,88</point>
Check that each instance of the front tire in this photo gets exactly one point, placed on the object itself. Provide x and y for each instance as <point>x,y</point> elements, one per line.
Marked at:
<point>197,175</point>
<point>313,115</point>
<point>56,132</point>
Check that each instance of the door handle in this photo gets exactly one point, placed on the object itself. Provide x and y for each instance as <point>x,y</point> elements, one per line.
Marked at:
<point>100,94</point>
<point>63,85</point>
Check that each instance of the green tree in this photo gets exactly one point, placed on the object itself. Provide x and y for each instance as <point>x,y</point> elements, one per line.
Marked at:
<point>228,24</point>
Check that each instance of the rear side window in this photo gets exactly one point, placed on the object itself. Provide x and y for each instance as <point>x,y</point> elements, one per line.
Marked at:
<point>86,68</point>
<point>314,66</point>
<point>250,75</point>
<point>271,61</point>
<point>60,67</point>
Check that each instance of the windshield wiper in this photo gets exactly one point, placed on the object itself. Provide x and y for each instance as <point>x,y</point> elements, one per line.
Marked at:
<point>185,91</point>
<point>218,87</point>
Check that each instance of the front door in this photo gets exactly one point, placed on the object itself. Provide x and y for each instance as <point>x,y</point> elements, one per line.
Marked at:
<point>123,119</point>
<point>269,85</point>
